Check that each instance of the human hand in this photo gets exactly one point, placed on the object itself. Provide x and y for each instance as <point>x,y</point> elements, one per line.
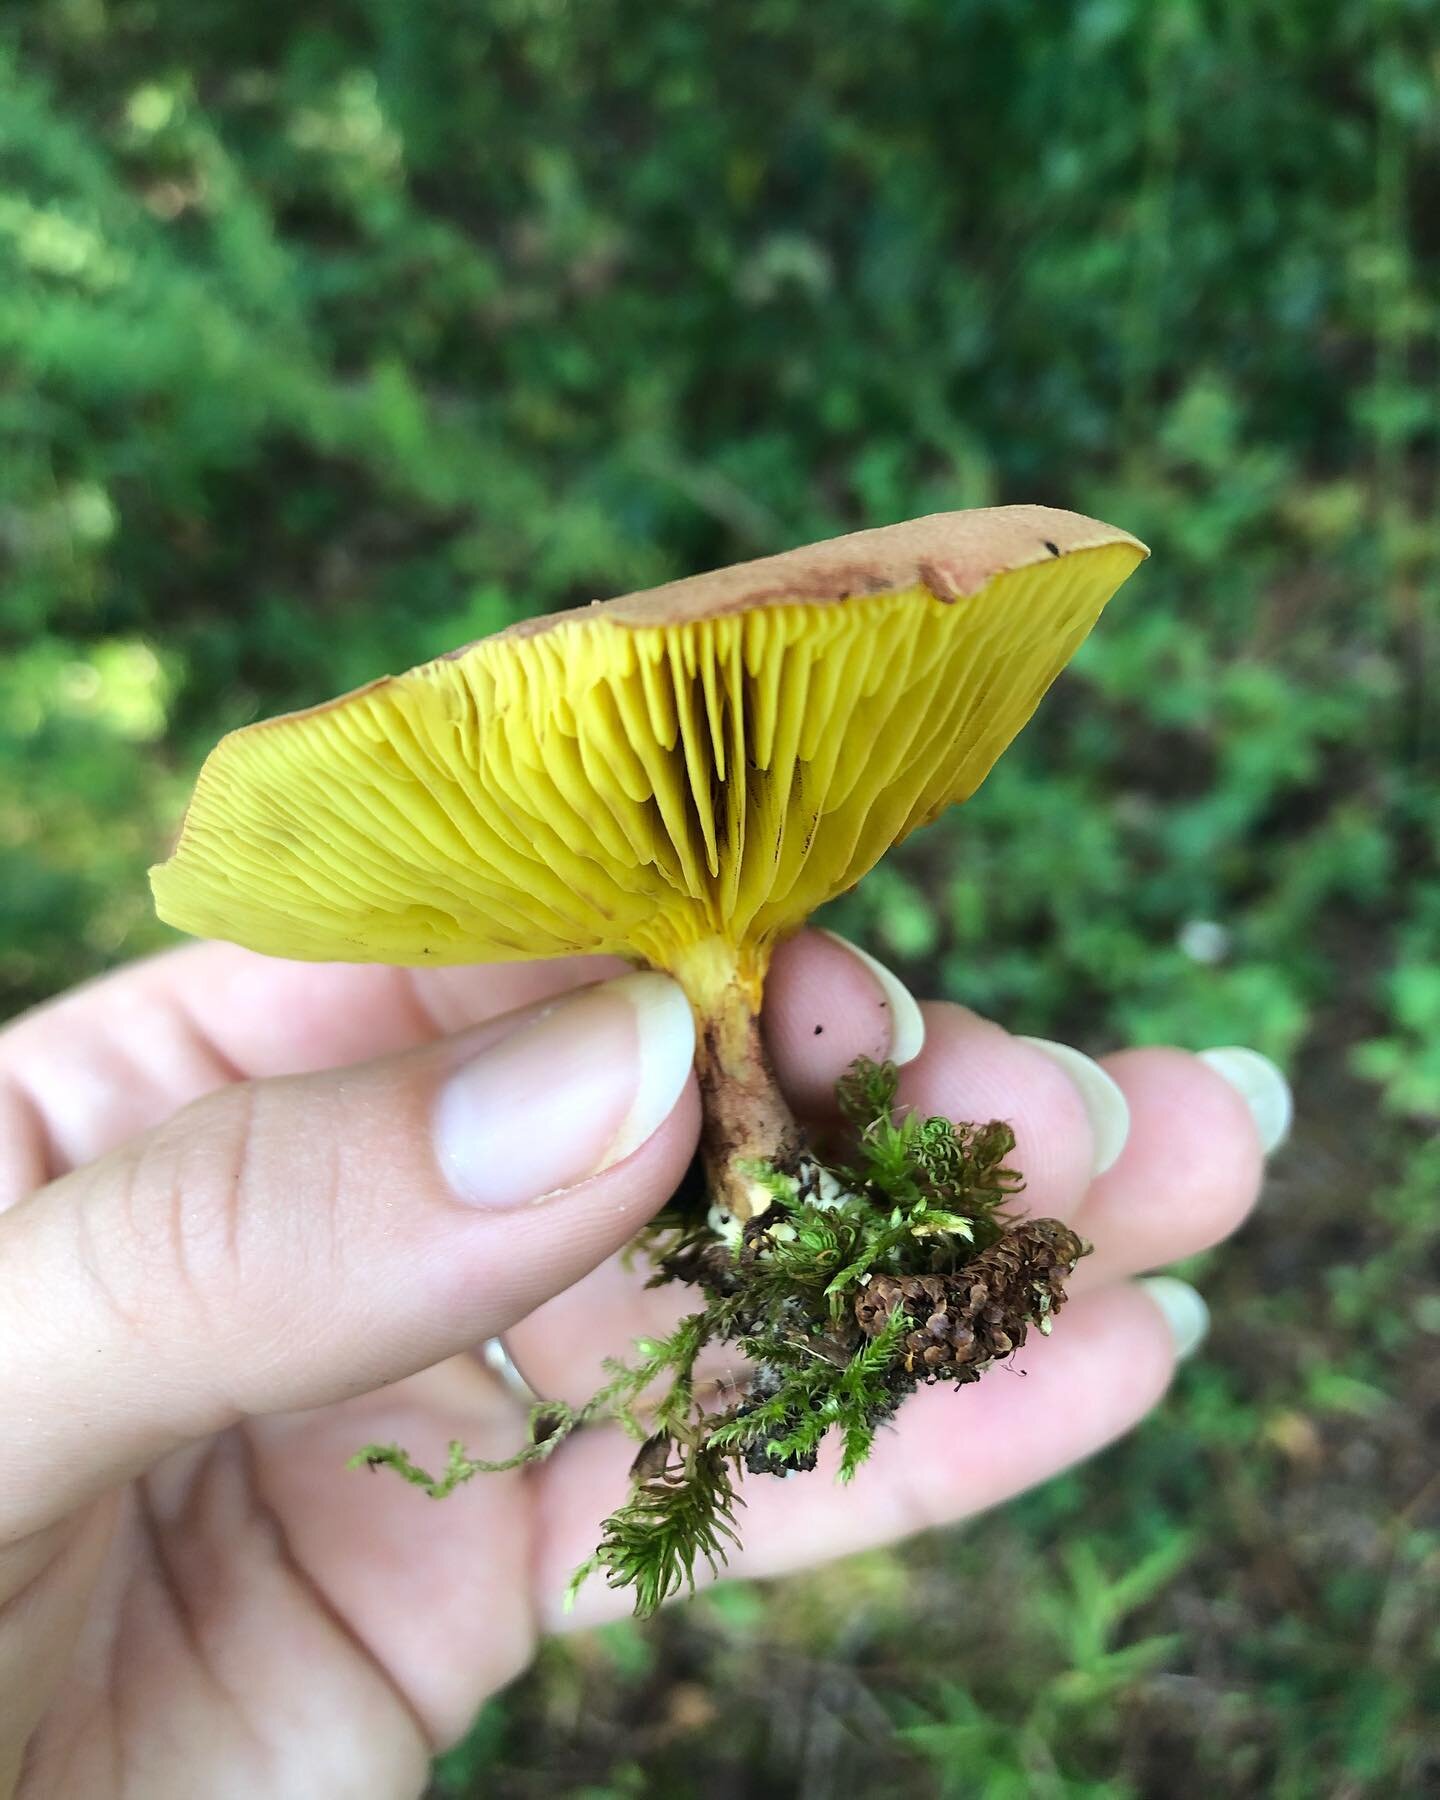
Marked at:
<point>254,1214</point>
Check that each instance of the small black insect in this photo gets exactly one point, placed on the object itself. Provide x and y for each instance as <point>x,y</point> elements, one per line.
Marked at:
<point>1054,549</point>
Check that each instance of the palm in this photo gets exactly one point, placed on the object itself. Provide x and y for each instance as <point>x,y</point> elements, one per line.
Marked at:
<point>258,1595</point>
<point>257,1599</point>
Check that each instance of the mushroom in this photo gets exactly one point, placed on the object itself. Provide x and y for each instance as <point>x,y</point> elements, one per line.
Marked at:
<point>680,776</point>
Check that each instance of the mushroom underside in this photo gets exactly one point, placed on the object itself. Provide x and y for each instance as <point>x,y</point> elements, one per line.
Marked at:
<point>605,788</point>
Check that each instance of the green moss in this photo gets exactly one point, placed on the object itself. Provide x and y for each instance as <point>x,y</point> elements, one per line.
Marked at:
<point>897,1265</point>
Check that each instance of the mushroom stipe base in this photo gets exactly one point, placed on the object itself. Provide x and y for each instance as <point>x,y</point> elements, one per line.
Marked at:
<point>845,1285</point>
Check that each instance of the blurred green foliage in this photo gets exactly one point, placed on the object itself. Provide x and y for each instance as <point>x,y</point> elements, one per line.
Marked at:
<point>333,336</point>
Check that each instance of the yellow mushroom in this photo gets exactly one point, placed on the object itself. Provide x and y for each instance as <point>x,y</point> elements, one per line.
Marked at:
<point>680,776</point>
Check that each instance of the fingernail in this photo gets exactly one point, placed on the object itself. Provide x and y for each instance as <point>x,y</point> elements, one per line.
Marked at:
<point>1260,1085</point>
<point>1100,1095</point>
<point>572,1091</point>
<point>907,1022</point>
<point>1185,1312</point>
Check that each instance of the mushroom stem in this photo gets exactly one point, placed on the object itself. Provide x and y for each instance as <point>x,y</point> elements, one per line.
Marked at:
<point>746,1120</point>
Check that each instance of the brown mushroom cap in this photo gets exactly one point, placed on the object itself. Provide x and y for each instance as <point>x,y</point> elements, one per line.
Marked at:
<point>709,760</point>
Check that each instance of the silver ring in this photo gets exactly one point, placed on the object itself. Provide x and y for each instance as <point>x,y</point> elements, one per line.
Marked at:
<point>498,1360</point>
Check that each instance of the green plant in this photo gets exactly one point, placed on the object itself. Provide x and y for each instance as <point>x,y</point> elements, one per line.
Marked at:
<point>975,1753</point>
<point>855,1283</point>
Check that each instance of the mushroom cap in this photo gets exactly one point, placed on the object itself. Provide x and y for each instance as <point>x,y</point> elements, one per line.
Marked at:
<point>710,759</point>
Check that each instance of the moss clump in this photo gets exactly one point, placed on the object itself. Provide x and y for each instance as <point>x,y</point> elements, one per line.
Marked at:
<point>861,1277</point>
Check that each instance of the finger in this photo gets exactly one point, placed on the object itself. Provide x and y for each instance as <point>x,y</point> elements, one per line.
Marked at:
<point>827,1001</point>
<point>286,1243</point>
<point>1192,1167</point>
<point>1068,1116</point>
<point>119,1055</point>
<point>950,1455</point>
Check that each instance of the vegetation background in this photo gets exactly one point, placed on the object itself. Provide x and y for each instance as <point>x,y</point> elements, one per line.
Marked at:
<point>333,335</point>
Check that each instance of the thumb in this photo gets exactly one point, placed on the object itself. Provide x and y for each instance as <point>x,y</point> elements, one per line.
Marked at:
<point>284,1244</point>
